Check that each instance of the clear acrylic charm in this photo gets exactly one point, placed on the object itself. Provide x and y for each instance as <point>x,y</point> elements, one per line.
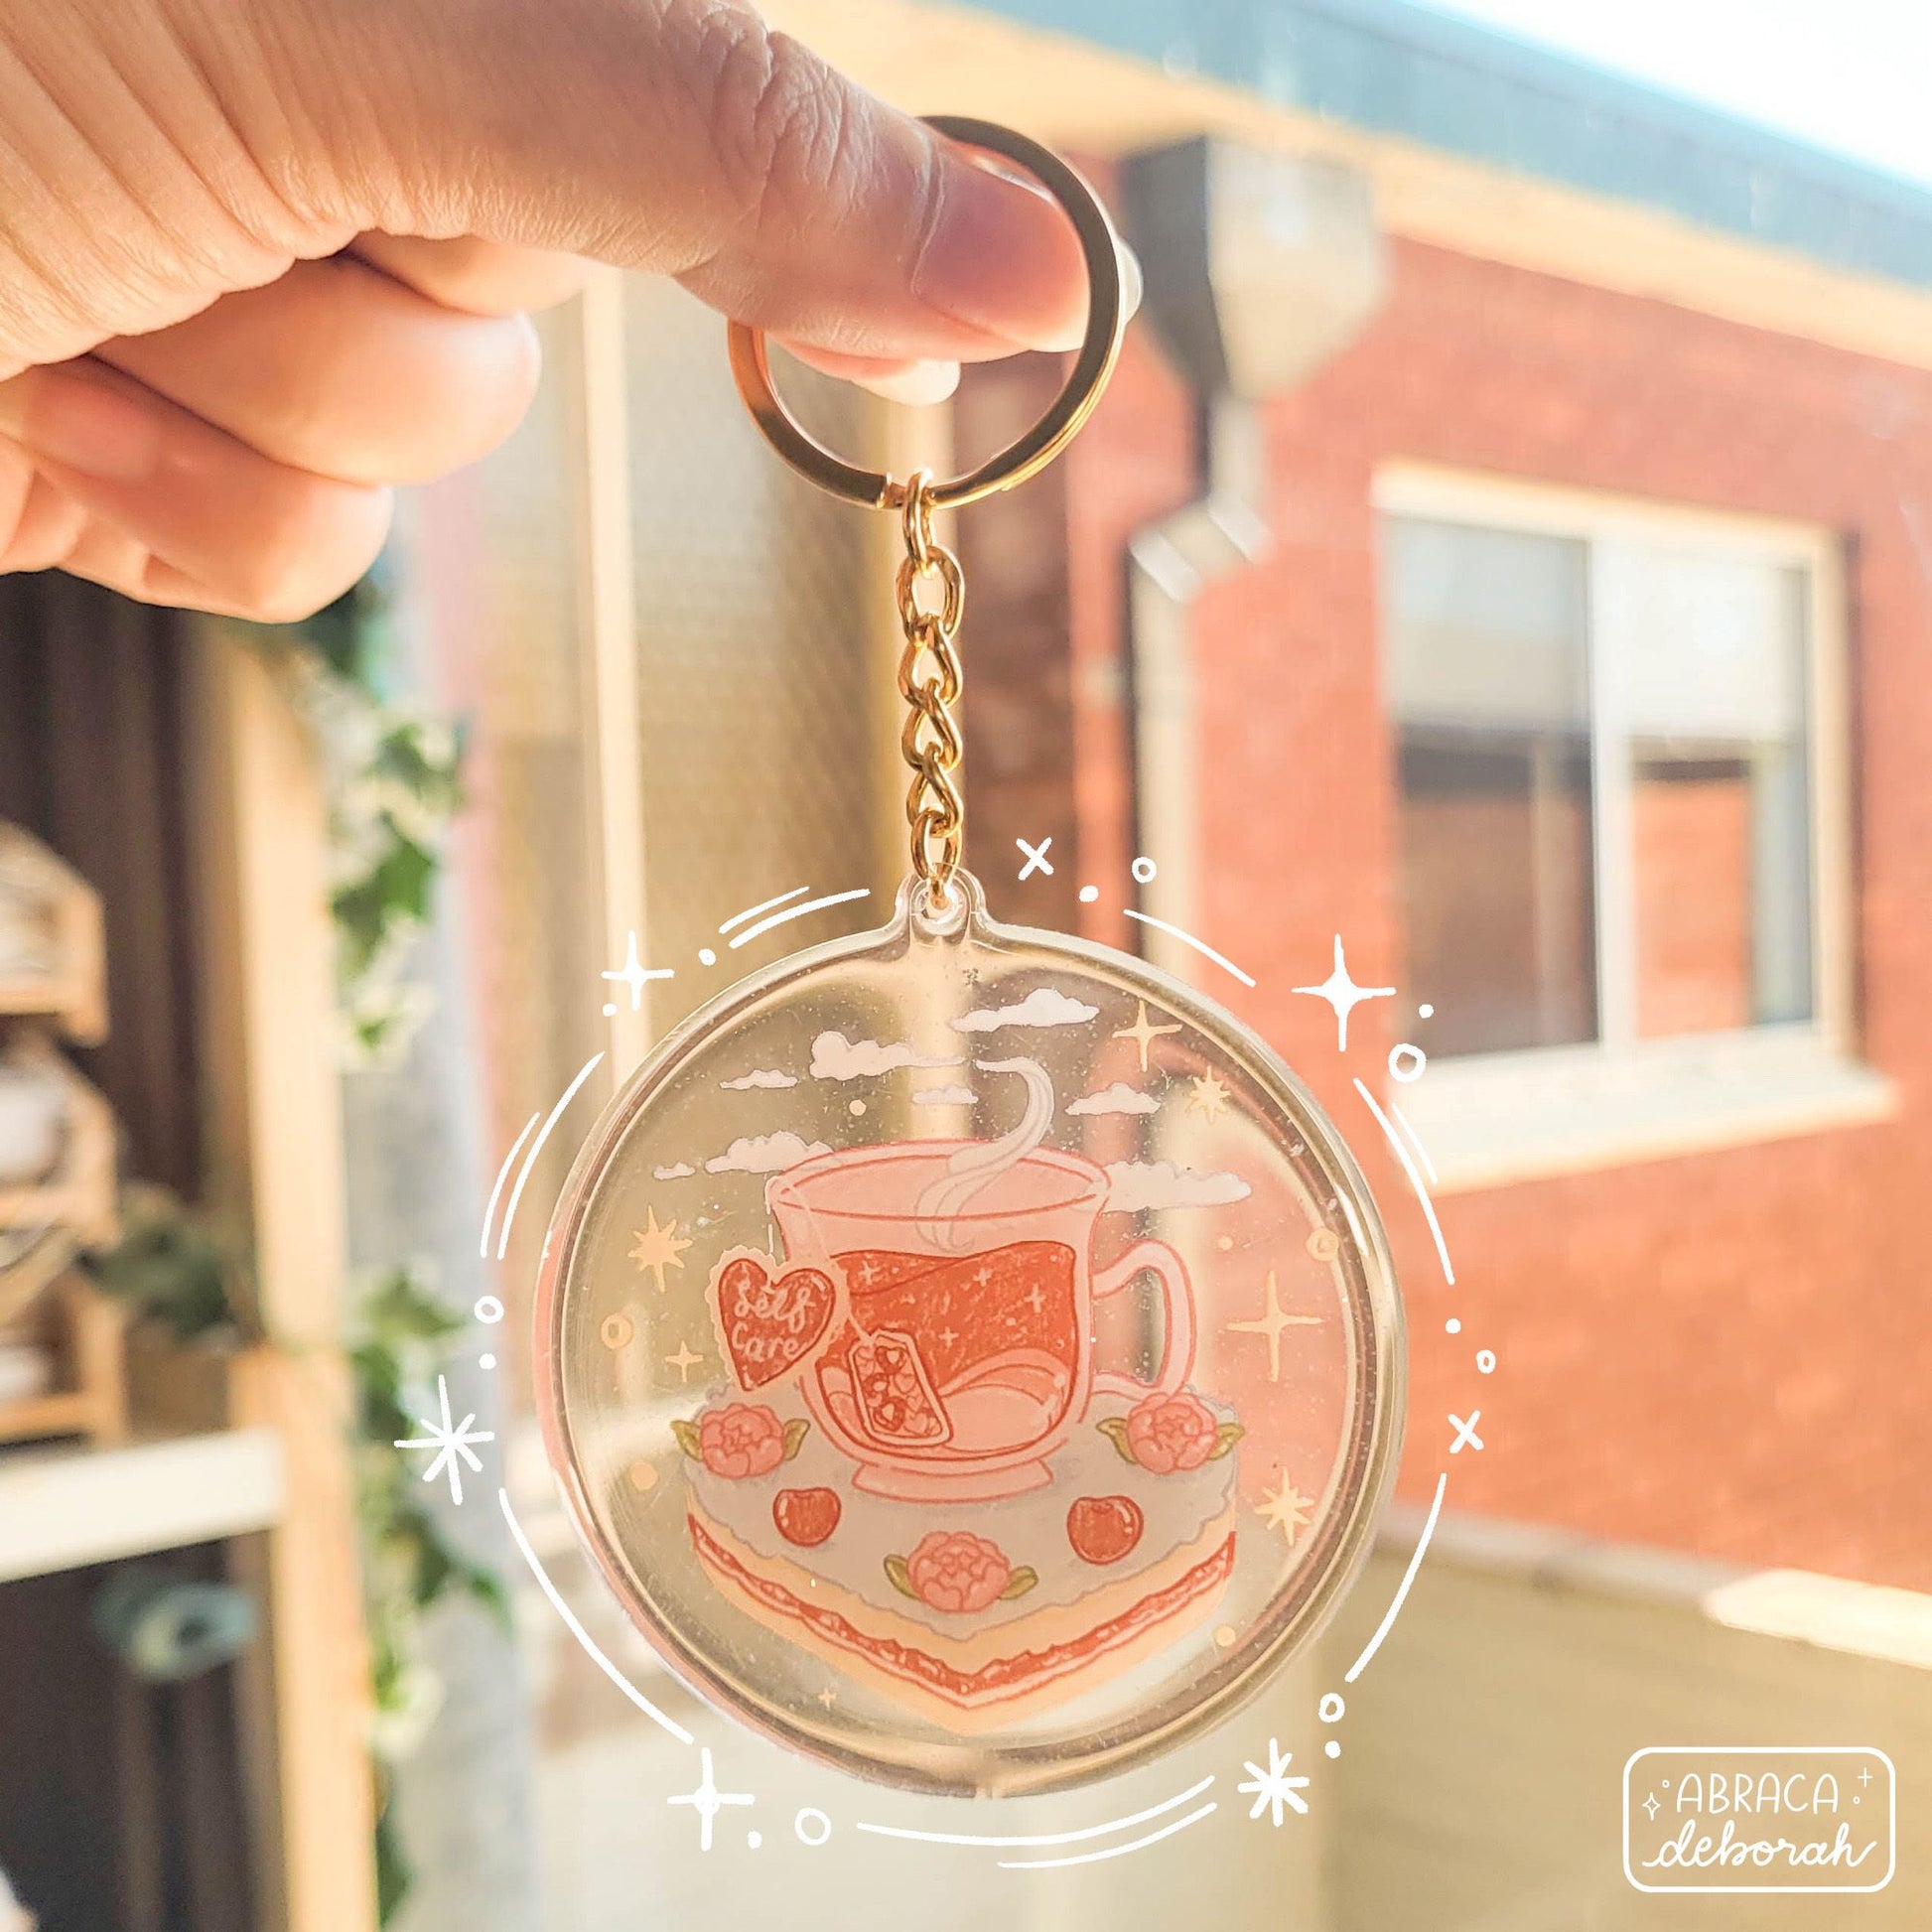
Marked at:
<point>970,1355</point>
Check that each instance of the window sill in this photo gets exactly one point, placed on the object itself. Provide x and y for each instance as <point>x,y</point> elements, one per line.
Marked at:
<point>1505,1116</point>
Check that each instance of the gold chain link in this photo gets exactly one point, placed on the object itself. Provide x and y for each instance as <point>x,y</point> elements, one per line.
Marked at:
<point>928,681</point>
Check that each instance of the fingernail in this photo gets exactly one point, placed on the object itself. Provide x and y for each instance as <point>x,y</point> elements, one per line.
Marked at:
<point>922,384</point>
<point>992,259</point>
<point>74,420</point>
<point>1132,283</point>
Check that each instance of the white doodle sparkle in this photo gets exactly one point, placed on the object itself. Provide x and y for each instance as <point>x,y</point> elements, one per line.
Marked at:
<point>634,974</point>
<point>451,1443</point>
<point>1343,994</point>
<point>708,1801</point>
<point>1273,1789</point>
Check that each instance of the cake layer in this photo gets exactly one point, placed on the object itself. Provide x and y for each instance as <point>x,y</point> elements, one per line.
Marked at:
<point>1032,1660</point>
<point>1176,1510</point>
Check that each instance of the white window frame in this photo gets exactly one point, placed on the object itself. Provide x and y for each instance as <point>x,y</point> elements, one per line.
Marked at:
<point>1492,1118</point>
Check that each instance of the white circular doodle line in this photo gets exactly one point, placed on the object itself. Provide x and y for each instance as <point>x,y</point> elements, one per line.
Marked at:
<point>581,1635</point>
<point>1409,1072</point>
<point>536,1147</point>
<point>1043,1837</point>
<point>502,1174</point>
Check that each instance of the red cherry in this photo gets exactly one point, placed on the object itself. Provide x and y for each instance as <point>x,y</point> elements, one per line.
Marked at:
<point>808,1516</point>
<point>1102,1529</point>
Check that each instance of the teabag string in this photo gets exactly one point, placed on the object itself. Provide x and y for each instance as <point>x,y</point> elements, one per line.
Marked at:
<point>975,1167</point>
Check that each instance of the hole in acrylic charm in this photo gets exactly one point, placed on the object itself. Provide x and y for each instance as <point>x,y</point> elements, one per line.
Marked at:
<point>1014,1341</point>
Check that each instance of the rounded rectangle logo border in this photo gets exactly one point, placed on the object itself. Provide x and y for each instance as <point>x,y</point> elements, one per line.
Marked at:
<point>1807,1752</point>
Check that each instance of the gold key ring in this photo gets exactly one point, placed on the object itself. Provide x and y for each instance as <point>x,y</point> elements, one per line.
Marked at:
<point>1031,452</point>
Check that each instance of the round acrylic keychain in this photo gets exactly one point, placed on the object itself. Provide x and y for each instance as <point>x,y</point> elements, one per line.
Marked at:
<point>969,1353</point>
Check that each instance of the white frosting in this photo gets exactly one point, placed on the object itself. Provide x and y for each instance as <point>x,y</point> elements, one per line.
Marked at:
<point>1030,1528</point>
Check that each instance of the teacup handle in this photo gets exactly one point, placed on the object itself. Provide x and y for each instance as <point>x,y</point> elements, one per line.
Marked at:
<point>1177,1299</point>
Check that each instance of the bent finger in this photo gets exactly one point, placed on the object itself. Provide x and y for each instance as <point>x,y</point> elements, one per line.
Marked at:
<point>262,539</point>
<point>483,278</point>
<point>339,371</point>
<point>39,524</point>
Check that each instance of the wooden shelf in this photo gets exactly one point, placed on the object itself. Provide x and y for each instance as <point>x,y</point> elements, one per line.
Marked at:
<point>89,1332</point>
<point>78,1194</point>
<point>73,991</point>
<point>66,1507</point>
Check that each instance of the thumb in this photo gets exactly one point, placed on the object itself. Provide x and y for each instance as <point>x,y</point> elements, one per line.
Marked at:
<point>685,137</point>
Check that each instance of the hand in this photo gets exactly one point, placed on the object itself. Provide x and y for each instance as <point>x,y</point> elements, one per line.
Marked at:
<point>261,260</point>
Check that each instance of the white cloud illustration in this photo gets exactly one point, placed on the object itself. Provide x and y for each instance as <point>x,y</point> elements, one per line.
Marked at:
<point>1160,1184</point>
<point>676,1173</point>
<point>1042,1007</point>
<point>759,1077</point>
<point>1120,1098</point>
<point>834,1058</point>
<point>764,1154</point>
<point>944,1097</point>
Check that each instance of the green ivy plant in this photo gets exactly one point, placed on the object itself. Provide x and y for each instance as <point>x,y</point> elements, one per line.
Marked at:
<point>175,1268</point>
<point>393,779</point>
<point>393,773</point>
<point>394,784</point>
<point>404,1337</point>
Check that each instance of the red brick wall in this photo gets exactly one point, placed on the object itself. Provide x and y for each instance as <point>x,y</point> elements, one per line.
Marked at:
<point>1692,885</point>
<point>1727,1354</point>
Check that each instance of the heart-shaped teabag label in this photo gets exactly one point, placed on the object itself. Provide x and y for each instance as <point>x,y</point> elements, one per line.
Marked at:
<point>769,1322</point>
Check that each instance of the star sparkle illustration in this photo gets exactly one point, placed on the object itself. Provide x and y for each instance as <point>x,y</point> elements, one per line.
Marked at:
<point>708,1801</point>
<point>451,1442</point>
<point>683,1362</point>
<point>1142,1034</point>
<point>1270,1323</point>
<point>1274,1790</point>
<point>634,974</point>
<point>1341,993</point>
<point>658,1248</point>
<point>1208,1096</point>
<point>1285,1509</point>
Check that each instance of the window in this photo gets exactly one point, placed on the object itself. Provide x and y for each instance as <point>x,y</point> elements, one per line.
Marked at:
<point>1621,859</point>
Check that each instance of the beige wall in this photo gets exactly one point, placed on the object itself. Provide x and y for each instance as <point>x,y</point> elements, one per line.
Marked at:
<point>1483,1749</point>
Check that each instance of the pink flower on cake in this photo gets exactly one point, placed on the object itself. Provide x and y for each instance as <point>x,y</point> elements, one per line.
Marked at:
<point>743,1439</point>
<point>1166,1433</point>
<point>954,1570</point>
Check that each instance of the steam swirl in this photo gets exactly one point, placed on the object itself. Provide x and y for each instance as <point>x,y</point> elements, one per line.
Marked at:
<point>975,1167</point>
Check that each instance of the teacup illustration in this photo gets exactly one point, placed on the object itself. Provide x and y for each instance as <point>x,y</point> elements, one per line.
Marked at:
<point>962,1355</point>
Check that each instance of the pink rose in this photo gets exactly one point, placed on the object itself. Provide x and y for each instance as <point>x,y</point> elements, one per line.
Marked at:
<point>743,1439</point>
<point>1172,1432</point>
<point>954,1570</point>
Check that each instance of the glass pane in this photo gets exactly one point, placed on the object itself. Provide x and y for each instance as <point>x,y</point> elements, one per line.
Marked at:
<point>1490,685</point>
<point>1711,661</point>
<point>760,689</point>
